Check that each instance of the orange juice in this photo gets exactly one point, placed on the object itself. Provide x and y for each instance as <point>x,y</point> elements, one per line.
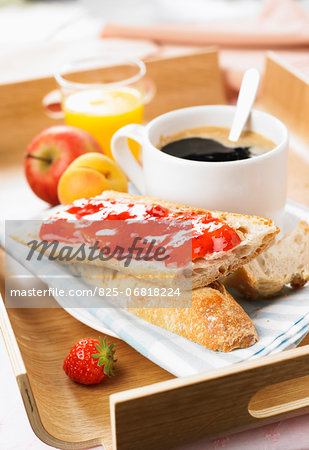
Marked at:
<point>102,112</point>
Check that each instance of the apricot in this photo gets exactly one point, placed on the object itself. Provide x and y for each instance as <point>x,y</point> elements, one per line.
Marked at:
<point>89,175</point>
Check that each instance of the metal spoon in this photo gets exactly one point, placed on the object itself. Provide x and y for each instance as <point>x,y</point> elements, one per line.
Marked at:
<point>246,97</point>
<point>202,149</point>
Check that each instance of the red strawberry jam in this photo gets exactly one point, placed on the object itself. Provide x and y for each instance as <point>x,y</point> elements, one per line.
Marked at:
<point>207,233</point>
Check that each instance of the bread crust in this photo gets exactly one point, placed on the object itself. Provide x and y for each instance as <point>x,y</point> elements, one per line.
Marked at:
<point>214,320</point>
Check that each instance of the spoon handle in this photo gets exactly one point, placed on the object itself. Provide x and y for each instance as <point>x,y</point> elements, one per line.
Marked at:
<point>246,97</point>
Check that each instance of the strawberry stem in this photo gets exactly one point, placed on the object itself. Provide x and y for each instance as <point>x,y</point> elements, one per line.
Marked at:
<point>105,356</point>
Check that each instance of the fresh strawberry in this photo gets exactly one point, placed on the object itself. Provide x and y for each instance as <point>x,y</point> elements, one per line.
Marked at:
<point>90,361</point>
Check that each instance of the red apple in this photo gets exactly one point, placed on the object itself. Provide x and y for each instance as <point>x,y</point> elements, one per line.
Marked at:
<point>50,153</point>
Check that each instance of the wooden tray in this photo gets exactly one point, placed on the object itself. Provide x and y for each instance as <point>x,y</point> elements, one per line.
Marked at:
<point>143,406</point>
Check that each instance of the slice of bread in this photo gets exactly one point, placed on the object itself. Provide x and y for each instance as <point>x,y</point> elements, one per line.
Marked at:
<point>214,320</point>
<point>255,233</point>
<point>284,262</point>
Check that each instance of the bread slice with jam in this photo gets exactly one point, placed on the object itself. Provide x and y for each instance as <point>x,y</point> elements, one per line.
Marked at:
<point>210,246</point>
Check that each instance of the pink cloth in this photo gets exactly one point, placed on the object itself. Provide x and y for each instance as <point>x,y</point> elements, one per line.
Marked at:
<point>282,23</point>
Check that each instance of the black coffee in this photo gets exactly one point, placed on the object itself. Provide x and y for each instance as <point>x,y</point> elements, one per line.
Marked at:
<point>212,144</point>
<point>203,149</point>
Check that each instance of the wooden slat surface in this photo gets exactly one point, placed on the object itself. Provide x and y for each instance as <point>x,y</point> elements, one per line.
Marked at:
<point>286,95</point>
<point>183,81</point>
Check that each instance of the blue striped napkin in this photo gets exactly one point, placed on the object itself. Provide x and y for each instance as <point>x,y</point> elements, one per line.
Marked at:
<point>280,322</point>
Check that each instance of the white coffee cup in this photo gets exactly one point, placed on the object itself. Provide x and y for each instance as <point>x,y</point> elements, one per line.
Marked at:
<point>255,186</point>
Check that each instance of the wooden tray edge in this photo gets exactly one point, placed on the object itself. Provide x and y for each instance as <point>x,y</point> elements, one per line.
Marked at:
<point>137,412</point>
<point>26,391</point>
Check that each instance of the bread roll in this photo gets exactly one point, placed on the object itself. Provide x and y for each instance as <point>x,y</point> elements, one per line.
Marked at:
<point>285,262</point>
<point>214,319</point>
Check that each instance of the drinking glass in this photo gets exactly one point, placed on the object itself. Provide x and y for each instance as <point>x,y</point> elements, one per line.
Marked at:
<point>101,95</point>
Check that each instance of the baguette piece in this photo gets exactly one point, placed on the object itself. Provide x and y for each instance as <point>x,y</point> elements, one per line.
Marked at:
<point>214,320</point>
<point>256,234</point>
<point>285,262</point>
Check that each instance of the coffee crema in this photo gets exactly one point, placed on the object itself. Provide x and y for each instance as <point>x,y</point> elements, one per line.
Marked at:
<point>211,144</point>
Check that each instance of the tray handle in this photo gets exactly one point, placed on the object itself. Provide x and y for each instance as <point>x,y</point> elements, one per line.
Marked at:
<point>181,411</point>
